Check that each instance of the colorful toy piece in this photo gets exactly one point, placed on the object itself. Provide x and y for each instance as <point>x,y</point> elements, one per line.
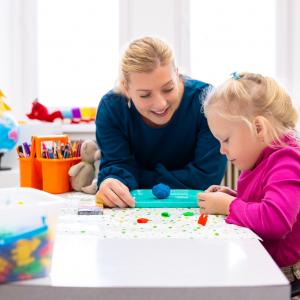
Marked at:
<point>142,220</point>
<point>73,115</point>
<point>3,105</point>
<point>40,112</point>
<point>161,191</point>
<point>165,214</point>
<point>178,198</point>
<point>202,219</point>
<point>25,255</point>
<point>9,130</point>
<point>188,214</point>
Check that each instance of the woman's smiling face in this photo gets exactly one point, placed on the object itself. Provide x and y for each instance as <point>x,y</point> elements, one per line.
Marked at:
<point>156,95</point>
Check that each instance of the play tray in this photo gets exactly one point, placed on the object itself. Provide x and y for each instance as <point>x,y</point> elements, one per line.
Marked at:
<point>178,198</point>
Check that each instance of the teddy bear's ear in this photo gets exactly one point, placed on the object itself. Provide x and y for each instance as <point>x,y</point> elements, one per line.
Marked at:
<point>97,155</point>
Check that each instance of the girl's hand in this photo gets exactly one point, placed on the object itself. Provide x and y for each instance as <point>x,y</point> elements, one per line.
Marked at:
<point>221,188</point>
<point>214,203</point>
<point>113,193</point>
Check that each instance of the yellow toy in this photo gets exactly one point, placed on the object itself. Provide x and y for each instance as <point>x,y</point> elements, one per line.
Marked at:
<point>3,106</point>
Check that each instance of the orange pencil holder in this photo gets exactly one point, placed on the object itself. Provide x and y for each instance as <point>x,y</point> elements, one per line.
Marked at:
<point>30,170</point>
<point>52,174</point>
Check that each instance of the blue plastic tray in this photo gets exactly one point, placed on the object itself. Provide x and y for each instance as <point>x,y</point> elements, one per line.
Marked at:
<point>178,198</point>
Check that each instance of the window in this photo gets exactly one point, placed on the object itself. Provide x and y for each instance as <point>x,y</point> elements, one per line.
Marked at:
<point>78,51</point>
<point>232,35</point>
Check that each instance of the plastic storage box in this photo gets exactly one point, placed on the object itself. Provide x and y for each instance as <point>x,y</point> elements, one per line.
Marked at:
<point>28,219</point>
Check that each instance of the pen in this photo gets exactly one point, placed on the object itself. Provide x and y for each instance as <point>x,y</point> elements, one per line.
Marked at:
<point>26,149</point>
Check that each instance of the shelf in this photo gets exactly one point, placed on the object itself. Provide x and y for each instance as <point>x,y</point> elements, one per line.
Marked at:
<point>88,128</point>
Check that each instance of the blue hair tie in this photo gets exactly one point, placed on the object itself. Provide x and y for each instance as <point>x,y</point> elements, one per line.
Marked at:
<point>235,76</point>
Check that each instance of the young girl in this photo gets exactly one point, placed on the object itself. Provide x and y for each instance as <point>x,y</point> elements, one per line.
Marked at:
<point>254,120</point>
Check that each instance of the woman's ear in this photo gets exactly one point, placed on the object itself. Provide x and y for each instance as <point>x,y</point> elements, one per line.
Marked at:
<point>260,127</point>
<point>125,88</point>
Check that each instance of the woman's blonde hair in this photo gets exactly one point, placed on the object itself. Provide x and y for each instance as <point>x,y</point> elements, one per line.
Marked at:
<point>247,95</point>
<point>143,56</point>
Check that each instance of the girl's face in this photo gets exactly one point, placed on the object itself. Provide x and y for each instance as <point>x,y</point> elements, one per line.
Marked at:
<point>241,144</point>
<point>156,95</point>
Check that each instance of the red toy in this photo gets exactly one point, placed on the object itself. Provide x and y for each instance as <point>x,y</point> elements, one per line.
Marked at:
<point>40,112</point>
<point>142,220</point>
<point>73,115</point>
<point>202,219</point>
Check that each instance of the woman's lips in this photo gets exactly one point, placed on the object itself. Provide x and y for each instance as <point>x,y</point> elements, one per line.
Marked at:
<point>161,114</point>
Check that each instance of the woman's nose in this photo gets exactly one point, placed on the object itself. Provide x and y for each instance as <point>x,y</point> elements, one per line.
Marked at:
<point>160,102</point>
<point>223,150</point>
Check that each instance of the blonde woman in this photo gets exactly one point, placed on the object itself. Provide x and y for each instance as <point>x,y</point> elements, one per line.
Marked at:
<point>151,129</point>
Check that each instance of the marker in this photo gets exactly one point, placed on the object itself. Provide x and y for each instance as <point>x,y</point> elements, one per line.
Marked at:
<point>90,210</point>
<point>26,149</point>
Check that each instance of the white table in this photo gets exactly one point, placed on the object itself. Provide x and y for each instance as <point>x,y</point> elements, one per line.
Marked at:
<point>90,267</point>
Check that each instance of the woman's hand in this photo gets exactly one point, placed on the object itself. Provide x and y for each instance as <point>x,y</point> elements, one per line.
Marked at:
<point>221,188</point>
<point>214,203</point>
<point>113,193</point>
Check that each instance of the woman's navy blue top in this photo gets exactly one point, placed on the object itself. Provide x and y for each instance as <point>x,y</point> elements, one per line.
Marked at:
<point>183,154</point>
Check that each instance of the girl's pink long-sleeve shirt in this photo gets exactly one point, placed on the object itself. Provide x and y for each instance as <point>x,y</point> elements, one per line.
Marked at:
<point>268,202</point>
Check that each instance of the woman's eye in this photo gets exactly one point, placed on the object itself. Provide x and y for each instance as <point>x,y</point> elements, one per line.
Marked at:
<point>168,90</point>
<point>226,140</point>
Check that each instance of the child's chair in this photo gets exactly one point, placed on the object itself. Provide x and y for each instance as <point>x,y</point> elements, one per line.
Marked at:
<point>295,286</point>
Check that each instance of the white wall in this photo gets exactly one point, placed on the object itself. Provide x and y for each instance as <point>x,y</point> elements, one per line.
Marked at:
<point>167,19</point>
<point>18,53</point>
<point>288,46</point>
<point>295,48</point>
<point>6,45</point>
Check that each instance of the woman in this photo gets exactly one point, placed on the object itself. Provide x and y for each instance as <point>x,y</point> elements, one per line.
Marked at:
<point>151,129</point>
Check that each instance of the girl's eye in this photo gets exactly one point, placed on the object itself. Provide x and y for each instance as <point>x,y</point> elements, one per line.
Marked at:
<point>226,140</point>
<point>145,96</point>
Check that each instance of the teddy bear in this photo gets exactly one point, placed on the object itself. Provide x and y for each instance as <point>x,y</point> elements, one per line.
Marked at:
<point>82,175</point>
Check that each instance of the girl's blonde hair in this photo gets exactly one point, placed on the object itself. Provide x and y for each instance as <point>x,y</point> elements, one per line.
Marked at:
<point>247,95</point>
<point>143,55</point>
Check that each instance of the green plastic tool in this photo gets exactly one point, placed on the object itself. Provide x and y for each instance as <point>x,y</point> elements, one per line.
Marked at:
<point>178,198</point>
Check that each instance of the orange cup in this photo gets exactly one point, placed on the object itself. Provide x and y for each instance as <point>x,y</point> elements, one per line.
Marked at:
<point>30,173</point>
<point>55,174</point>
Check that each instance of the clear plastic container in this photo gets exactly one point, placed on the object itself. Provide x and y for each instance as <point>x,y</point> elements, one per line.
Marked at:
<point>28,219</point>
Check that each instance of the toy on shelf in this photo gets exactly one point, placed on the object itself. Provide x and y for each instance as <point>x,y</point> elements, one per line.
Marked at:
<point>74,115</point>
<point>3,105</point>
<point>9,129</point>
<point>78,115</point>
<point>40,112</point>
